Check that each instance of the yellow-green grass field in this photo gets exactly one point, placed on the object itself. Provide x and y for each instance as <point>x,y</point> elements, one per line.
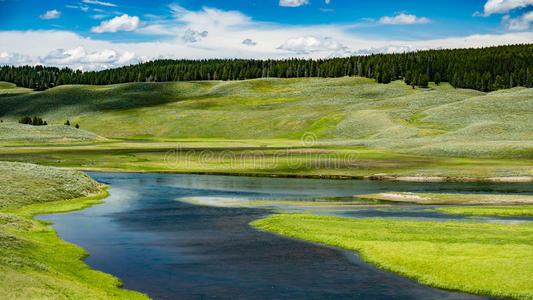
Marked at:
<point>329,127</point>
<point>339,112</point>
<point>265,158</point>
<point>22,134</point>
<point>504,211</point>
<point>479,258</point>
<point>34,262</point>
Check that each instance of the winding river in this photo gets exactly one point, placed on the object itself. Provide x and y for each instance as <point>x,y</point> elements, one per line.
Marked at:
<point>171,249</point>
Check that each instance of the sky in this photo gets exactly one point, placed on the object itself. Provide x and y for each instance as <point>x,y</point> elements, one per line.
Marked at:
<point>98,34</point>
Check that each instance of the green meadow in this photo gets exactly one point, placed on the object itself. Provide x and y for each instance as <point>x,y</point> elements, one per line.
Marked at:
<point>333,127</point>
<point>34,262</point>
<point>486,259</point>
<point>504,211</point>
<point>339,112</point>
<point>264,158</point>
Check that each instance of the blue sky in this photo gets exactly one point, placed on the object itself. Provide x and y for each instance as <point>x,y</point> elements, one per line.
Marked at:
<point>95,34</point>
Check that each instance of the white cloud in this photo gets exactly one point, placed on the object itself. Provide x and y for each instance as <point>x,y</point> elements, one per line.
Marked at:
<point>193,36</point>
<point>503,6</point>
<point>51,14</point>
<point>403,19</point>
<point>520,23</point>
<point>310,44</point>
<point>122,23</point>
<point>79,57</point>
<point>294,3</point>
<point>249,42</point>
<point>84,8</point>
<point>392,49</point>
<point>99,3</point>
<point>8,58</point>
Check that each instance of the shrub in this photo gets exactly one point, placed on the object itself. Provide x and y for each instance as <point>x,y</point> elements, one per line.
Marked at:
<point>36,121</point>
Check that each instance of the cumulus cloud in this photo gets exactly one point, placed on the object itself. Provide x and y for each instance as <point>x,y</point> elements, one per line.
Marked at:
<point>51,14</point>
<point>309,44</point>
<point>9,58</point>
<point>193,36</point>
<point>503,6</point>
<point>519,23</point>
<point>121,23</point>
<point>249,42</point>
<point>80,57</point>
<point>294,3</point>
<point>99,3</point>
<point>403,19</point>
<point>388,49</point>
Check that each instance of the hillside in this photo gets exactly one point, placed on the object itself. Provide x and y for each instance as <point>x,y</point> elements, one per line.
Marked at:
<point>15,133</point>
<point>32,255</point>
<point>347,111</point>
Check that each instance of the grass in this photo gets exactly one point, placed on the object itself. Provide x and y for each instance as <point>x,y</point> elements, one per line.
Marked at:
<point>344,112</point>
<point>442,198</point>
<point>526,210</point>
<point>262,158</point>
<point>15,134</point>
<point>34,262</point>
<point>357,128</point>
<point>485,259</point>
<point>7,88</point>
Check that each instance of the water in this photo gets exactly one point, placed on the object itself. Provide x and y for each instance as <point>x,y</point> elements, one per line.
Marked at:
<point>171,249</point>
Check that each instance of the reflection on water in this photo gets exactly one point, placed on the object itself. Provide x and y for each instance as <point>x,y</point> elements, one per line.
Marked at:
<point>174,249</point>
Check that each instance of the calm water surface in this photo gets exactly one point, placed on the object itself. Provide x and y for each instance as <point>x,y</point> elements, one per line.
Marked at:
<point>174,250</point>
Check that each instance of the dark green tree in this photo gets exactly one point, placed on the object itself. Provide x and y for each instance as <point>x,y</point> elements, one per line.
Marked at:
<point>437,79</point>
<point>25,120</point>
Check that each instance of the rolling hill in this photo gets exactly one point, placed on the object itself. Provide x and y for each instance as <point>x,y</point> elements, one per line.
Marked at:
<point>348,111</point>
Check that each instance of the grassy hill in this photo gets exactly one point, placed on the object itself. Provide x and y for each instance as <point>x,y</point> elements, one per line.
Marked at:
<point>349,111</point>
<point>14,133</point>
<point>34,262</point>
<point>7,88</point>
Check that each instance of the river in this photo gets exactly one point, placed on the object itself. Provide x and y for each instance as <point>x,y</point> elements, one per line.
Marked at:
<point>171,249</point>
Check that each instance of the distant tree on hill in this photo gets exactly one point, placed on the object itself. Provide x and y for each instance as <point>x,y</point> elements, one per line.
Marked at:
<point>423,80</point>
<point>67,123</point>
<point>499,83</point>
<point>437,78</point>
<point>25,120</point>
<point>77,125</point>
<point>36,121</point>
<point>408,78</point>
